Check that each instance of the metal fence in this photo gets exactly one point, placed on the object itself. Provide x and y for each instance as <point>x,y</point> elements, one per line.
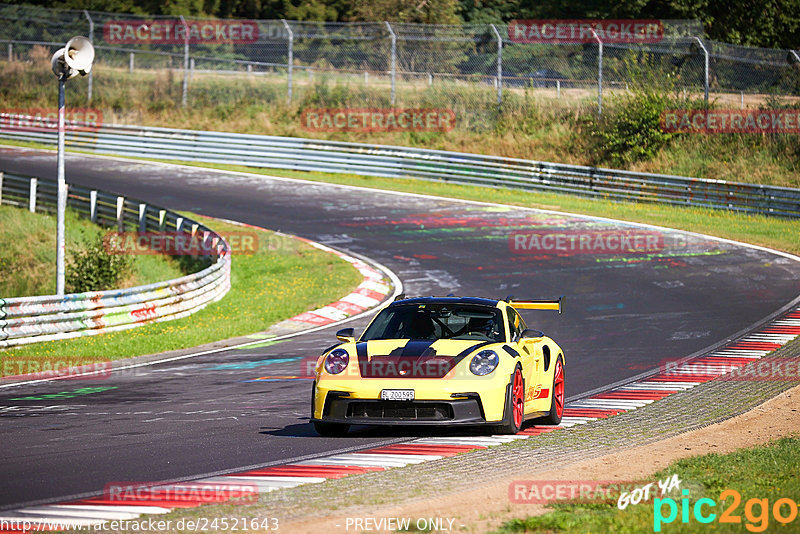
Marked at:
<point>28,320</point>
<point>418,163</point>
<point>410,65</point>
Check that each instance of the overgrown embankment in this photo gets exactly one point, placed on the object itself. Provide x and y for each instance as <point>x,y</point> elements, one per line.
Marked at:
<point>28,257</point>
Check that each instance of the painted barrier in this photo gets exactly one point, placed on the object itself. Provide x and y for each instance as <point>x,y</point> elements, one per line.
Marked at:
<point>27,320</point>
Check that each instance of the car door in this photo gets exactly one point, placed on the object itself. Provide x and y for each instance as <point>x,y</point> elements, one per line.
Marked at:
<point>532,364</point>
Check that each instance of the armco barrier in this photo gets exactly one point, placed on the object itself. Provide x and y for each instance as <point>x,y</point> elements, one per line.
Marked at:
<point>399,162</point>
<point>33,319</point>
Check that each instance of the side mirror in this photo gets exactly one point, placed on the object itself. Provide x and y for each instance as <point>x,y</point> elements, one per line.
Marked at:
<point>530,333</point>
<point>346,335</point>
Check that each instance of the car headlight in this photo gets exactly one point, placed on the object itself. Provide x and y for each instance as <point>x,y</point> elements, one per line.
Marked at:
<point>336,361</point>
<point>484,362</point>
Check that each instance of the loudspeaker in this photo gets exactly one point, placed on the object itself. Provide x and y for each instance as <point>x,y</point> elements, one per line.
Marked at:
<point>79,55</point>
<point>58,65</point>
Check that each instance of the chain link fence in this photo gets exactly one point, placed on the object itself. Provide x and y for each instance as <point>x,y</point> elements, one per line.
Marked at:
<point>474,70</point>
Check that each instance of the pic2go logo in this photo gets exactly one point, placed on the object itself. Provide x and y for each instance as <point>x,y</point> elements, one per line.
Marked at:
<point>756,511</point>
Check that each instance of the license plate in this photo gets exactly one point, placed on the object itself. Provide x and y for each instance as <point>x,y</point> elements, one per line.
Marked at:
<point>397,394</point>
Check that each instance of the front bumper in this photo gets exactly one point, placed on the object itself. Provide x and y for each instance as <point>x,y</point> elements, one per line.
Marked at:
<point>355,411</point>
<point>436,401</point>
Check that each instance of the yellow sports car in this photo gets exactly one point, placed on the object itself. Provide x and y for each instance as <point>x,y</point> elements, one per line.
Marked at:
<point>442,361</point>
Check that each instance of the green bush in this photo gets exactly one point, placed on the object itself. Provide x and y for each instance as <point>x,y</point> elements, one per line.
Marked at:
<point>631,131</point>
<point>92,268</point>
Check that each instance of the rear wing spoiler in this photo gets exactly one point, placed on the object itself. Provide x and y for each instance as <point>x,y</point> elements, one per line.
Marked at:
<point>541,304</point>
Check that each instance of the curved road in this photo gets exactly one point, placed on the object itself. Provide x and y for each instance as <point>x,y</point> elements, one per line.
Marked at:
<point>624,314</point>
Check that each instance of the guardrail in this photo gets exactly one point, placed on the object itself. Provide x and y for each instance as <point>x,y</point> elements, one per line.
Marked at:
<point>401,162</point>
<point>44,318</point>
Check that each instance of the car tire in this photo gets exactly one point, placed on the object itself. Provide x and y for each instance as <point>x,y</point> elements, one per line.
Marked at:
<point>557,398</point>
<point>331,430</point>
<point>514,412</point>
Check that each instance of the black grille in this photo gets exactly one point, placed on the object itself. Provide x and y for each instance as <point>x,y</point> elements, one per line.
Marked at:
<point>411,411</point>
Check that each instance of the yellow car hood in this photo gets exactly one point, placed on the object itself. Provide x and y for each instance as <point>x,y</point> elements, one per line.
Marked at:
<point>404,358</point>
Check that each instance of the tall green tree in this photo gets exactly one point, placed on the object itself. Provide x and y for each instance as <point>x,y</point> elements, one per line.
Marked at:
<point>316,10</point>
<point>765,23</point>
<point>488,11</point>
<point>419,11</point>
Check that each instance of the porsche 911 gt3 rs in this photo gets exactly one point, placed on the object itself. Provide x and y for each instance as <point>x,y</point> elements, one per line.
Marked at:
<point>442,361</point>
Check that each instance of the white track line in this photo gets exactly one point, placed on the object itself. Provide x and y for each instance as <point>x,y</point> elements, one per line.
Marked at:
<point>144,509</point>
<point>263,485</point>
<point>81,514</point>
<point>71,522</point>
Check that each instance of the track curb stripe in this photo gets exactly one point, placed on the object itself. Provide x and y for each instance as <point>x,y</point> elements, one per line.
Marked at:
<point>369,293</point>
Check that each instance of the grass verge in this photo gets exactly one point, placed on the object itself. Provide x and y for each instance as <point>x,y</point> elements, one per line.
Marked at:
<point>761,476</point>
<point>284,277</point>
<point>28,253</point>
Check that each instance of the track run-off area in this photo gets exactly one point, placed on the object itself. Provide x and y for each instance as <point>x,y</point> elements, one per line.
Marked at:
<point>672,295</point>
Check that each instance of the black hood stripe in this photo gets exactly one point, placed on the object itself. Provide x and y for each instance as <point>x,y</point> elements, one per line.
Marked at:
<point>417,347</point>
<point>411,350</point>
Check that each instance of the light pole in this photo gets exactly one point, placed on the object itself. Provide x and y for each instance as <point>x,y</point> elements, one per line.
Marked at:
<point>599,72</point>
<point>75,58</point>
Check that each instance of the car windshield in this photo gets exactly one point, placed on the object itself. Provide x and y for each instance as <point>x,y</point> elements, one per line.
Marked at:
<point>437,321</point>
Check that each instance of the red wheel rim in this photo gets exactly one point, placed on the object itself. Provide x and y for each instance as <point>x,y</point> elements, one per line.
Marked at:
<point>558,388</point>
<point>516,399</point>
